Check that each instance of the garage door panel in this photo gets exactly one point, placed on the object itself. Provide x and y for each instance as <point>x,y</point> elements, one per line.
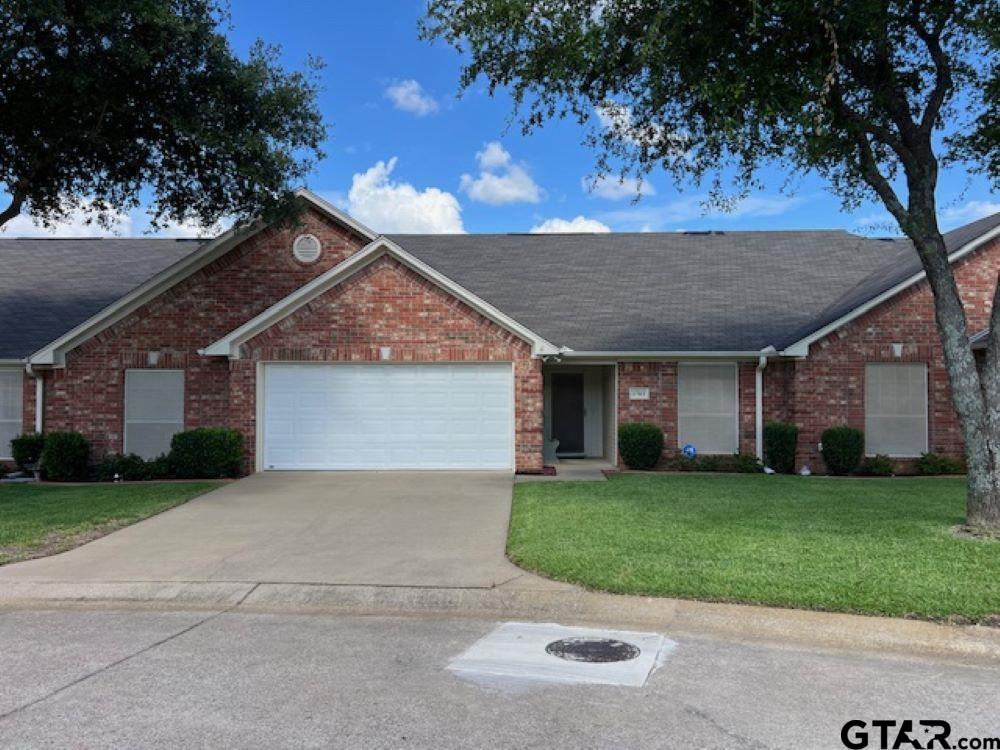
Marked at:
<point>369,416</point>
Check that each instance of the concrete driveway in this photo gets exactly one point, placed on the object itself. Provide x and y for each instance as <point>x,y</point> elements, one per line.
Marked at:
<point>439,529</point>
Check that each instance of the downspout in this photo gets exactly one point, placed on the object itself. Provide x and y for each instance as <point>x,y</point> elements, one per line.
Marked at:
<point>39,397</point>
<point>759,399</point>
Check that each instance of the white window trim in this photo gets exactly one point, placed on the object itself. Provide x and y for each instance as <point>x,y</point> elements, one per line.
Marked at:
<point>736,422</point>
<point>927,407</point>
<point>125,419</point>
<point>5,449</point>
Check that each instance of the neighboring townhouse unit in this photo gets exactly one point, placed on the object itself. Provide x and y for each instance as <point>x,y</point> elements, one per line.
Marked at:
<point>330,346</point>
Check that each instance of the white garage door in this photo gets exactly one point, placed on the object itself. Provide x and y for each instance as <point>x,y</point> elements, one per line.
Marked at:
<point>346,416</point>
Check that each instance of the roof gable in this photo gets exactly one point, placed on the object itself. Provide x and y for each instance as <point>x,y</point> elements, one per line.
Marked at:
<point>229,345</point>
<point>52,351</point>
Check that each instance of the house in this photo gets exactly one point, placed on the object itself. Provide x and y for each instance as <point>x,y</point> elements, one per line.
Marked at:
<point>330,346</point>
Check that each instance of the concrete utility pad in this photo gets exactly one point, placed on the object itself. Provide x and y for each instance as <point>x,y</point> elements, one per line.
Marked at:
<point>517,651</point>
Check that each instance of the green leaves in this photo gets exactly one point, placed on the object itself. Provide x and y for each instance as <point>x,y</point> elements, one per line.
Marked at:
<point>104,99</point>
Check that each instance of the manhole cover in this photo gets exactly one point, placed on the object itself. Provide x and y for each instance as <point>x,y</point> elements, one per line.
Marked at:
<point>596,650</point>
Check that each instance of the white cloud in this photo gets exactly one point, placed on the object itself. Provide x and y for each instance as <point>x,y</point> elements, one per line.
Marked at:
<point>388,206</point>
<point>969,211</point>
<point>79,223</point>
<point>500,180</point>
<point>580,224</point>
<point>410,96</point>
<point>617,188</point>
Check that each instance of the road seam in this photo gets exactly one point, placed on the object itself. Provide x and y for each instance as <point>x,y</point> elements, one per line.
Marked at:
<point>129,657</point>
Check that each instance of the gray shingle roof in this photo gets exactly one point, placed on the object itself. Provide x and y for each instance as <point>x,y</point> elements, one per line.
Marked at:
<point>48,287</point>
<point>719,291</point>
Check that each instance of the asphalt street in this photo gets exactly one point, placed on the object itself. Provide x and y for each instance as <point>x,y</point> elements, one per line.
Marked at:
<point>141,678</point>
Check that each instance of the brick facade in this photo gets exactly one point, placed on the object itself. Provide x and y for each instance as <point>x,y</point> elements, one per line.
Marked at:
<point>388,305</point>
<point>88,394</point>
<point>826,389</point>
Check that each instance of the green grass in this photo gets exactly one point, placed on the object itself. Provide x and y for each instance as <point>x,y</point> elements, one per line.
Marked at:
<point>876,546</point>
<point>38,520</point>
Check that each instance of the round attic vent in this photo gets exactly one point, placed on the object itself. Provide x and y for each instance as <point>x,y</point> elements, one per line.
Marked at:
<point>306,248</point>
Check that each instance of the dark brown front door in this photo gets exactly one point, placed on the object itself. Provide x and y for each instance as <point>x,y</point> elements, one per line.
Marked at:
<point>567,412</point>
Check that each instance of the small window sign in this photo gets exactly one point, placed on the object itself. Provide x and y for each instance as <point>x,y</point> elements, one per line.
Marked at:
<point>638,394</point>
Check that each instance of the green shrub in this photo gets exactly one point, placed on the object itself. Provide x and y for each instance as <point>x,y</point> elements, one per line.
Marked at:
<point>131,468</point>
<point>780,442</point>
<point>930,464</point>
<point>26,450</point>
<point>65,457</point>
<point>877,466</point>
<point>206,453</point>
<point>737,463</point>
<point>640,444</point>
<point>843,448</point>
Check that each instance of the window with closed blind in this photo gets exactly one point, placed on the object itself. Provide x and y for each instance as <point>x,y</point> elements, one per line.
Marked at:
<point>11,394</point>
<point>896,409</point>
<point>707,407</point>
<point>154,410</point>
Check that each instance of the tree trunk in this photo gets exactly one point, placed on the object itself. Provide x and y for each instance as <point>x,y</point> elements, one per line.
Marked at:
<point>975,398</point>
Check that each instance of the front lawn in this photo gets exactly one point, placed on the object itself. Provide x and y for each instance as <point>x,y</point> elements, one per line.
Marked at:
<point>43,519</point>
<point>877,546</point>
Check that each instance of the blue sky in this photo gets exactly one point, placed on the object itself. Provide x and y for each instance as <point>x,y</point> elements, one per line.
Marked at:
<point>406,154</point>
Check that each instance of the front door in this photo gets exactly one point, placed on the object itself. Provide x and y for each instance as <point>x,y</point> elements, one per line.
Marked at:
<point>567,412</point>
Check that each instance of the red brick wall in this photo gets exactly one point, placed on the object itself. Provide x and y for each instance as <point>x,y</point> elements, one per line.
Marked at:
<point>827,388</point>
<point>386,304</point>
<point>661,408</point>
<point>88,395</point>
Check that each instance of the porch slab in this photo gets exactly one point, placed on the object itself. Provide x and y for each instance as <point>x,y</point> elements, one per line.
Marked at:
<point>573,470</point>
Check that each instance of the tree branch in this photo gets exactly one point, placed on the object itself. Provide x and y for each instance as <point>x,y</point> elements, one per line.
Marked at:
<point>878,182</point>
<point>942,77</point>
<point>18,198</point>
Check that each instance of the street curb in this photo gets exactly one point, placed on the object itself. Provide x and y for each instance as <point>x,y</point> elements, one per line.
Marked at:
<point>800,628</point>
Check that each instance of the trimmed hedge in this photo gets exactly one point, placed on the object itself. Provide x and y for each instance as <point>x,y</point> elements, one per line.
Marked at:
<point>206,453</point>
<point>877,466</point>
<point>736,463</point>
<point>640,444</point>
<point>65,457</point>
<point>132,468</point>
<point>930,464</point>
<point>780,441</point>
<point>843,448</point>
<point>26,449</point>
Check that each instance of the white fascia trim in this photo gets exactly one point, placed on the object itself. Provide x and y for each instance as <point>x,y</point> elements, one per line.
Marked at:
<point>229,345</point>
<point>801,347</point>
<point>331,210</point>
<point>12,362</point>
<point>54,352</point>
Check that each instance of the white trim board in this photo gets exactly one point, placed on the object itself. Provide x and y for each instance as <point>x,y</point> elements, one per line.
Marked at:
<point>801,347</point>
<point>54,353</point>
<point>229,345</point>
